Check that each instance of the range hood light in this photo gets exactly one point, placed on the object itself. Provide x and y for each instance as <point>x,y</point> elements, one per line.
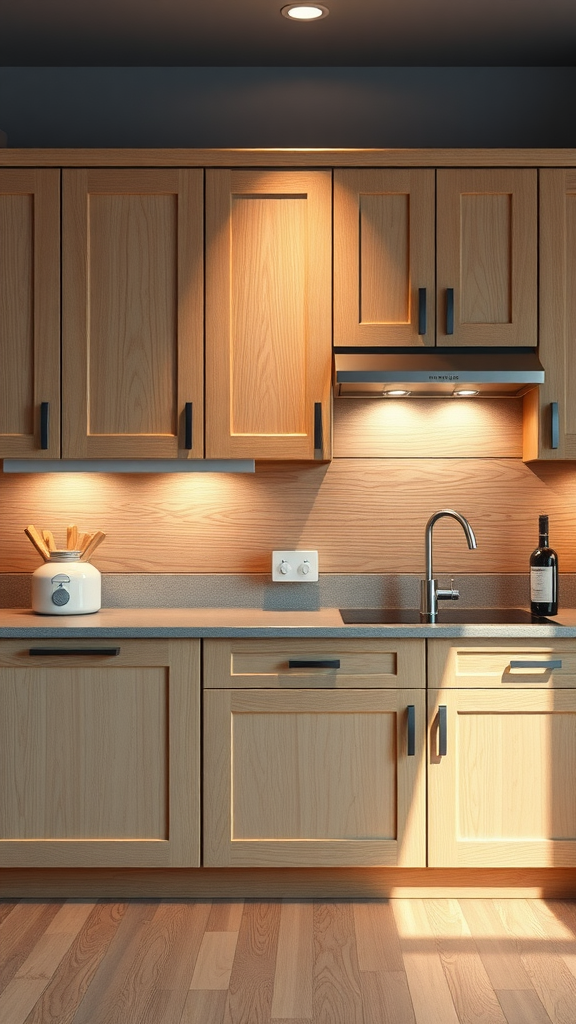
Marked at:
<point>396,393</point>
<point>465,393</point>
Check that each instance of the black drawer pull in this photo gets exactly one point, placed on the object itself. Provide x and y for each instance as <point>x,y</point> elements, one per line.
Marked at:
<point>307,663</point>
<point>411,740</point>
<point>536,664</point>
<point>188,425</point>
<point>107,652</point>
<point>421,311</point>
<point>442,730</point>
<point>554,425</point>
<point>44,425</point>
<point>318,429</point>
<point>449,311</point>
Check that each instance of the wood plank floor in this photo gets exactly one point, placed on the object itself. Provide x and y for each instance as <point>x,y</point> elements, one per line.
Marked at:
<point>399,961</point>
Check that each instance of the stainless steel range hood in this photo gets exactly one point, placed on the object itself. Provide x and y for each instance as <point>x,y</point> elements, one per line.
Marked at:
<point>436,372</point>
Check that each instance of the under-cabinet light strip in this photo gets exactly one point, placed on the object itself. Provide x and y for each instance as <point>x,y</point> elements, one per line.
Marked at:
<point>129,466</point>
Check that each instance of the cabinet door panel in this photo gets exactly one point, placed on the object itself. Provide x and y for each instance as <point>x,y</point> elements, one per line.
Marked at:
<point>268,313</point>
<point>100,757</point>
<point>499,796</point>
<point>383,255</point>
<point>309,778</point>
<point>29,311</point>
<point>557,322</point>
<point>487,253</point>
<point>133,318</point>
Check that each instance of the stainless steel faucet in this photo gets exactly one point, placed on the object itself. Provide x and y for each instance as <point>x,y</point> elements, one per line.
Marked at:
<point>429,592</point>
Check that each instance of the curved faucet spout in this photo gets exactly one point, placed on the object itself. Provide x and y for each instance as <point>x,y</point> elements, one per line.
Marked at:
<point>430,592</point>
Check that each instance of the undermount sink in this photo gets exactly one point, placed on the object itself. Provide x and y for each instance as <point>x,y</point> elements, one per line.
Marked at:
<point>446,616</point>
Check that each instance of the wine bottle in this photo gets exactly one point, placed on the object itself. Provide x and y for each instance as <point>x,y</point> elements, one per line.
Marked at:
<point>543,574</point>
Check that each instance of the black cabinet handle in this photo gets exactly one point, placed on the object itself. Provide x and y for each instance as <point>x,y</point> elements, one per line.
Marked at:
<point>308,663</point>
<point>44,425</point>
<point>536,664</point>
<point>42,652</point>
<point>442,730</point>
<point>411,739</point>
<point>421,311</point>
<point>188,426</point>
<point>554,425</point>
<point>318,429</point>
<point>449,311</point>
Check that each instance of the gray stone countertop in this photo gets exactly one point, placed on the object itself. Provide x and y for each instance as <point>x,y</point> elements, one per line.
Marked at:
<point>248,622</point>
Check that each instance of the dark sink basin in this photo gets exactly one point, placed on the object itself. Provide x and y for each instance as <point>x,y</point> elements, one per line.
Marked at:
<point>446,616</point>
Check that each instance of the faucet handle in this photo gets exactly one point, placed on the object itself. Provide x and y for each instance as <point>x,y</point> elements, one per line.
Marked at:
<point>448,595</point>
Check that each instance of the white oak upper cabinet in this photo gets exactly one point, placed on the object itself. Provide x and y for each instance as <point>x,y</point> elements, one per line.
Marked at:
<point>30,313</point>
<point>424,257</point>
<point>132,330</point>
<point>550,423</point>
<point>268,314</point>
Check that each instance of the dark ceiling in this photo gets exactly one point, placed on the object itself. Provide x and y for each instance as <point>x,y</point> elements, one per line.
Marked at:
<point>180,33</point>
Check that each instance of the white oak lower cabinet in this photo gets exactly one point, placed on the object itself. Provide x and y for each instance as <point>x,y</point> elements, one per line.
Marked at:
<point>314,753</point>
<point>502,758</point>
<point>99,753</point>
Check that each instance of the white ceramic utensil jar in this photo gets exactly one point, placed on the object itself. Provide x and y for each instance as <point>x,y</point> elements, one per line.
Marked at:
<point>66,586</point>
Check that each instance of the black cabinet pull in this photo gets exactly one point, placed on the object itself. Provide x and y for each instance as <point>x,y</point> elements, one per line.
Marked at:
<point>41,652</point>
<point>308,663</point>
<point>318,429</point>
<point>554,425</point>
<point>188,426</point>
<point>411,740</point>
<point>449,311</point>
<point>442,730</point>
<point>421,311</point>
<point>44,425</point>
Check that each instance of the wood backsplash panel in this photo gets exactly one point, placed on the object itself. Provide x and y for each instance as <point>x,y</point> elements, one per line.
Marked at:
<point>428,428</point>
<point>362,515</point>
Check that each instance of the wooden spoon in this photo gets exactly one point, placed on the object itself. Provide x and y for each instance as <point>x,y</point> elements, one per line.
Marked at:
<point>49,540</point>
<point>92,545</point>
<point>33,535</point>
<point>72,538</point>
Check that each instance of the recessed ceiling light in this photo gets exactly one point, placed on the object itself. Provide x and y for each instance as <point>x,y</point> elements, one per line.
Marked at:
<point>305,12</point>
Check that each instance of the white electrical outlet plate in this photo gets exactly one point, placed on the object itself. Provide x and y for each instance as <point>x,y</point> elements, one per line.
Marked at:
<point>295,566</point>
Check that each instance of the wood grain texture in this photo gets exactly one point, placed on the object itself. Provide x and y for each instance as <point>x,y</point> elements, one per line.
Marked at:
<point>70,982</point>
<point>362,515</point>
<point>29,310</point>
<point>278,815</point>
<point>472,993</point>
<point>74,791</point>
<point>427,428</point>
<point>384,251</point>
<point>498,156</point>
<point>292,995</point>
<point>487,252</point>
<point>498,796</point>
<point>133,964</point>
<point>291,883</point>
<point>337,997</point>
<point>268,313</point>
<point>482,663</point>
<point>132,279</point>
<point>255,959</point>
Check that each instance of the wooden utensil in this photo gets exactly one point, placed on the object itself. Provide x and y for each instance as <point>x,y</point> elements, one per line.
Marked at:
<point>72,538</point>
<point>95,540</point>
<point>33,535</point>
<point>83,540</point>
<point>49,540</point>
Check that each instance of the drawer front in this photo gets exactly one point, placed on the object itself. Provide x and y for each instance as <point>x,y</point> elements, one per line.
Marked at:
<point>70,652</point>
<point>546,664</point>
<point>299,663</point>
